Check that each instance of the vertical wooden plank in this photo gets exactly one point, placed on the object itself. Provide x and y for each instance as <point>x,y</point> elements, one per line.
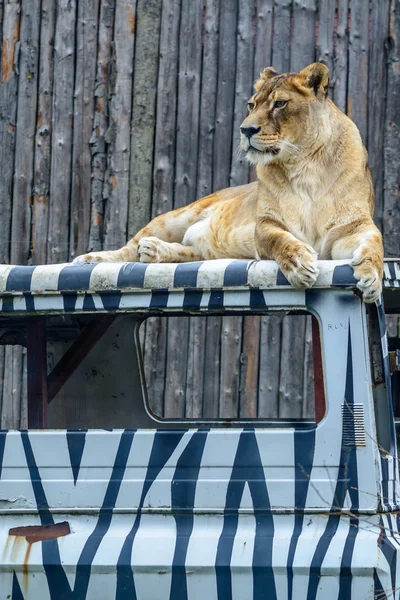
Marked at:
<point>148,19</point>
<point>190,41</point>
<point>23,421</point>
<point>25,133</point>
<point>231,338</point>
<point>377,100</point>
<point>212,364</point>
<point>225,93</point>
<point>209,79</point>
<point>264,34</point>
<point>302,49</point>
<point>100,124</point>
<point>61,143</point>
<point>2,378</point>
<point>8,105</point>
<point>164,153</point>
<point>291,367</point>
<point>357,100</point>
<point>243,87</point>
<point>11,405</point>
<point>281,36</point>
<point>250,365</point>
<point>308,410</point>
<point>341,56</point>
<point>42,159</point>
<point>175,378</point>
<point>270,355</point>
<point>118,134</point>
<point>85,73</point>
<point>195,367</point>
<point>391,224</point>
<point>326,29</point>
<point>154,362</point>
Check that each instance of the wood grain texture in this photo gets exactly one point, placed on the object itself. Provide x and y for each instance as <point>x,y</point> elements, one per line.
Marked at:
<point>270,356</point>
<point>264,31</point>
<point>231,342</point>
<point>391,212</point>
<point>43,135</point>
<point>119,131</point>
<point>148,21</point>
<point>62,132</point>
<point>164,152</point>
<point>243,88</point>
<point>303,34</point>
<point>325,51</point>
<point>341,55</point>
<point>98,145</point>
<point>85,74</point>
<point>25,134</point>
<point>281,36</point>
<point>249,360</point>
<point>292,367</point>
<point>377,101</point>
<point>8,106</point>
<point>357,99</point>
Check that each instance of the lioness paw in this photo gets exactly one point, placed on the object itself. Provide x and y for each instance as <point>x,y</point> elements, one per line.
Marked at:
<point>151,249</point>
<point>302,269</point>
<point>84,259</point>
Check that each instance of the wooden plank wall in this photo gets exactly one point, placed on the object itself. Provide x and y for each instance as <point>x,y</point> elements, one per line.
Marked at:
<point>114,111</point>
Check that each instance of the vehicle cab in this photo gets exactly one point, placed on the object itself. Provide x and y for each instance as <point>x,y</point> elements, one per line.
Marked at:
<point>194,504</point>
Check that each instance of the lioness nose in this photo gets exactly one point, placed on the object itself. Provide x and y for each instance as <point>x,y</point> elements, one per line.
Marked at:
<point>249,131</point>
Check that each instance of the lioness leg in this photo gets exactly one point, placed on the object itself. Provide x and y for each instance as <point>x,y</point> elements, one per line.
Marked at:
<point>362,242</point>
<point>297,260</point>
<point>152,249</point>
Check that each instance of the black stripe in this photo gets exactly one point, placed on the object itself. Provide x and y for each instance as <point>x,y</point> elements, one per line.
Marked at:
<point>111,299</point>
<point>3,435</point>
<point>8,304</point>
<point>132,275</point>
<point>392,270</point>
<point>16,590</point>
<point>76,445</point>
<point>304,446</point>
<point>19,279</point>
<point>69,301</point>
<point>216,298</point>
<point>75,277</point>
<point>164,444</point>
<point>159,299</point>
<point>236,273</point>
<point>88,302</point>
<point>379,592</point>
<point>257,299</point>
<point>390,553</point>
<point>343,275</point>
<point>192,298</point>
<point>281,279</point>
<point>29,301</point>
<point>248,468</point>
<point>186,274</point>
<point>183,494</point>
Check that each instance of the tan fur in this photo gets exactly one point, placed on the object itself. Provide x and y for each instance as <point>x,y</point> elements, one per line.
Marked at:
<point>313,196</point>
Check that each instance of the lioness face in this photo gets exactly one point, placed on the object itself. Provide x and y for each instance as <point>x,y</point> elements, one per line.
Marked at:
<point>282,113</point>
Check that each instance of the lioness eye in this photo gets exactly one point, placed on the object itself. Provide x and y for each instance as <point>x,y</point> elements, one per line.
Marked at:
<point>279,103</point>
<point>250,105</point>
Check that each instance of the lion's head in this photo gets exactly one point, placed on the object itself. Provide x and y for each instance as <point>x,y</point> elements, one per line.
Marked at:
<point>284,113</point>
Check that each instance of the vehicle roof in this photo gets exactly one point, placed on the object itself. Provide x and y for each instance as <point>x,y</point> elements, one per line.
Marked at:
<point>108,279</point>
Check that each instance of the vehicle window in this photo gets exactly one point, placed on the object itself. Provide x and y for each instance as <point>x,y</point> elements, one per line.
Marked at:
<point>233,368</point>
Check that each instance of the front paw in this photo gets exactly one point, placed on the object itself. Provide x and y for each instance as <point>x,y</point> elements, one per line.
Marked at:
<point>300,267</point>
<point>85,259</point>
<point>368,271</point>
<point>151,249</point>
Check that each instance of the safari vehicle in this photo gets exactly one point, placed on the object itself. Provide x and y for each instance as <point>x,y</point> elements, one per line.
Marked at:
<point>176,508</point>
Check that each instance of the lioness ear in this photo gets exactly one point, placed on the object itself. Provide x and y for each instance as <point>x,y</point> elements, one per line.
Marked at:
<point>316,76</point>
<point>268,73</point>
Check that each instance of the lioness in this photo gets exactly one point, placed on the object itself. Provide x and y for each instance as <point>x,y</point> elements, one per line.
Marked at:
<point>313,197</point>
